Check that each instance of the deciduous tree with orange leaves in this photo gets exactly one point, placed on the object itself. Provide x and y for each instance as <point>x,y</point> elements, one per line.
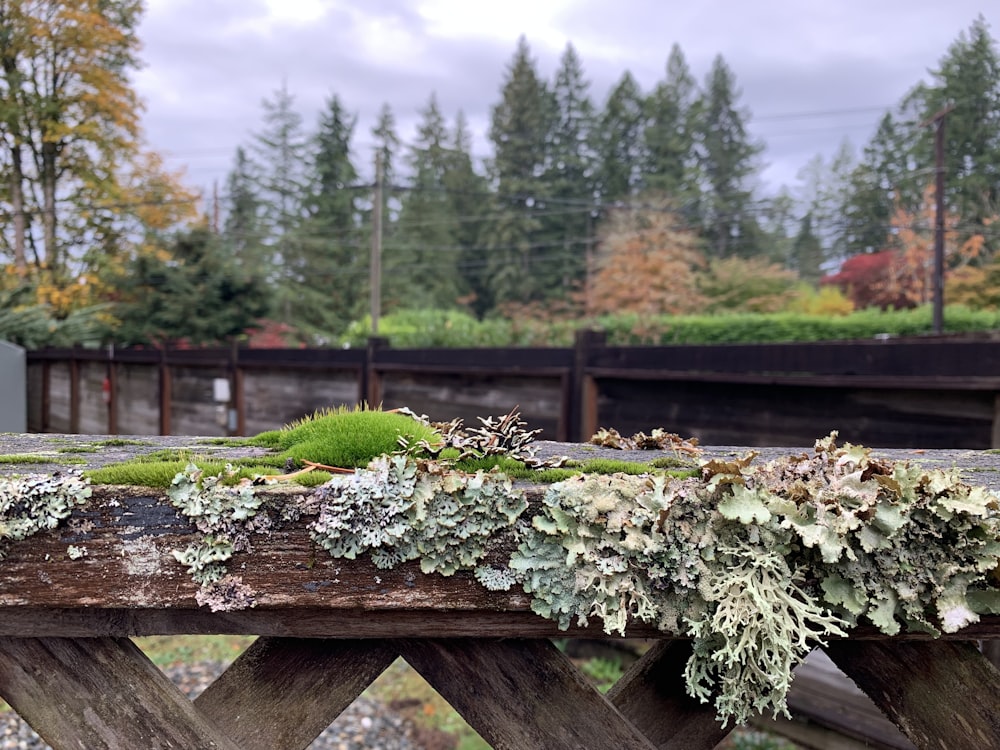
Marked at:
<point>647,264</point>
<point>83,193</point>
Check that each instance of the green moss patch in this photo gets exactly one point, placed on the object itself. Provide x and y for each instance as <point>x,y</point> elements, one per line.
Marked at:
<point>345,438</point>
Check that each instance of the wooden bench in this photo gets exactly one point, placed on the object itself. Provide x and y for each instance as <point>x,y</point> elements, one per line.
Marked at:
<point>328,627</point>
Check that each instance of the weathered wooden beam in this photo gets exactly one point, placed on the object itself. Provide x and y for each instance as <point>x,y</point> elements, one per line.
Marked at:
<point>651,694</point>
<point>100,694</point>
<point>940,695</point>
<point>522,695</point>
<point>283,692</point>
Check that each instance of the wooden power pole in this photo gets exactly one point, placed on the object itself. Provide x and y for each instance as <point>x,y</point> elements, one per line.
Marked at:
<point>937,120</point>
<point>375,274</point>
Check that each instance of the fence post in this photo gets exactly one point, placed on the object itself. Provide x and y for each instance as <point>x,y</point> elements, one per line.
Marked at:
<point>74,394</point>
<point>165,396</point>
<point>110,391</point>
<point>371,382</point>
<point>583,388</point>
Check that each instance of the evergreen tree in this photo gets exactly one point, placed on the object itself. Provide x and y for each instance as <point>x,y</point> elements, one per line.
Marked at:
<point>620,143</point>
<point>241,229</point>
<point>667,131</point>
<point>727,159</point>
<point>199,293</point>
<point>968,79</point>
<point>807,252</point>
<point>519,263</point>
<point>329,238</point>
<point>280,151</point>
<point>882,181</point>
<point>568,182</point>
<point>468,190</point>
<point>422,261</point>
<point>822,193</point>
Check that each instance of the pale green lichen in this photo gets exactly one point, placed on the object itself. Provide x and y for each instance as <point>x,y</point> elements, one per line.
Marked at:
<point>37,502</point>
<point>227,516</point>
<point>757,563</point>
<point>399,509</point>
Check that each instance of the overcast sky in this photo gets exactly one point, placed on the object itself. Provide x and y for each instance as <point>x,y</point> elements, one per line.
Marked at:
<point>811,73</point>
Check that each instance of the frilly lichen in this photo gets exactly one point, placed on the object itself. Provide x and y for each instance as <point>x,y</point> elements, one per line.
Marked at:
<point>757,563</point>
<point>227,516</point>
<point>402,509</point>
<point>36,502</point>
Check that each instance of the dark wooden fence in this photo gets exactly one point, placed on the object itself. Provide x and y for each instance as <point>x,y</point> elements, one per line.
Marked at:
<point>892,393</point>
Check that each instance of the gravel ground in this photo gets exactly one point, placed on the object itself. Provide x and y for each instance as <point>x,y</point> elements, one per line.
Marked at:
<point>365,725</point>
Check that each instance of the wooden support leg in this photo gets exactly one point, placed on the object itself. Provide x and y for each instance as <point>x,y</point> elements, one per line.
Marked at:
<point>651,694</point>
<point>941,694</point>
<point>283,692</point>
<point>100,693</point>
<point>522,695</point>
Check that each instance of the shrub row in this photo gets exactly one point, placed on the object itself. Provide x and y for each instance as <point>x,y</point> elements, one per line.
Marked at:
<point>449,328</point>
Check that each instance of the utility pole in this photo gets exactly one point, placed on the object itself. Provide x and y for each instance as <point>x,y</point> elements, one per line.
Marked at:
<point>937,120</point>
<point>375,275</point>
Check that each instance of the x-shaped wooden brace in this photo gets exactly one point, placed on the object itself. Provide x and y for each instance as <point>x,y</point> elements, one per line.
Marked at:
<point>518,694</point>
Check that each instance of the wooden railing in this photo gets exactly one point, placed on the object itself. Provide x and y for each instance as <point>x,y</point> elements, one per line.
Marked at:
<point>328,627</point>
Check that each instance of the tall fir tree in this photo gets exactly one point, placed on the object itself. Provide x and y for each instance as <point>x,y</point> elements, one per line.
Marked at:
<point>329,236</point>
<point>807,252</point>
<point>519,263</point>
<point>569,180</point>
<point>619,142</point>
<point>242,231</point>
<point>280,153</point>
<point>469,194</point>
<point>727,160</point>
<point>422,262</point>
<point>882,180</point>
<point>668,132</point>
<point>968,80</point>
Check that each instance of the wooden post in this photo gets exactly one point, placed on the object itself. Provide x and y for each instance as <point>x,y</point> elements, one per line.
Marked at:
<point>376,256</point>
<point>46,396</point>
<point>583,387</point>
<point>652,695</point>
<point>371,381</point>
<point>74,394</point>
<point>112,391</point>
<point>939,694</point>
<point>521,694</point>
<point>101,694</point>
<point>166,403</point>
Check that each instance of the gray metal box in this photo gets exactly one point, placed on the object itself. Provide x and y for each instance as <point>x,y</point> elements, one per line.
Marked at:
<point>13,389</point>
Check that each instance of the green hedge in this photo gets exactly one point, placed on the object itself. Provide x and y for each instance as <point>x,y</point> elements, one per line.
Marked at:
<point>441,328</point>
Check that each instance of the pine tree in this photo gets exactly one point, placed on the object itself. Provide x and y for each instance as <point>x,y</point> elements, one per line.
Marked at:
<point>727,159</point>
<point>619,141</point>
<point>519,263</point>
<point>668,137</point>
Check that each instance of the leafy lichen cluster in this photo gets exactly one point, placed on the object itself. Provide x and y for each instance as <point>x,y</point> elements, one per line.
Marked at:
<point>36,502</point>
<point>402,509</point>
<point>757,563</point>
<point>227,516</point>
